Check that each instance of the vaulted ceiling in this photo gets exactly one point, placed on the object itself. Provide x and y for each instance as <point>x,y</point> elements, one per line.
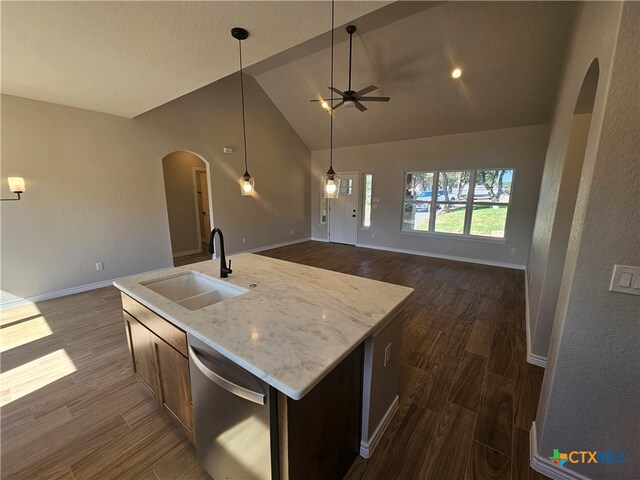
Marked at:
<point>126,58</point>
<point>511,55</point>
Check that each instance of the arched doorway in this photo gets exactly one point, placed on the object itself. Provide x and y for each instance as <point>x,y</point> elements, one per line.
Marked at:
<point>189,206</point>
<point>565,205</point>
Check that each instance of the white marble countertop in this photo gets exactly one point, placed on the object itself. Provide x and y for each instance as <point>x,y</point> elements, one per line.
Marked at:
<point>292,328</point>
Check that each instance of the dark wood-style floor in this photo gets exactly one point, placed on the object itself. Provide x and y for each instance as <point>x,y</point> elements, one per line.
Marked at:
<point>72,410</point>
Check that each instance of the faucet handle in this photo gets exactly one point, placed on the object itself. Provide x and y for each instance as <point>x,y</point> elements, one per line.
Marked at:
<point>229,269</point>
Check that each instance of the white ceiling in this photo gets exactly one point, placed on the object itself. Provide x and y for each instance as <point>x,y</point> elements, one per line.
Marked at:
<point>126,58</point>
<point>511,54</point>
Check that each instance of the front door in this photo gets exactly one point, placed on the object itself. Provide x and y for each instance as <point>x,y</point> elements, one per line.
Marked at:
<point>343,211</point>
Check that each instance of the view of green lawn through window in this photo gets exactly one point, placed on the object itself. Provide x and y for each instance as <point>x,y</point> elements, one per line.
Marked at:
<point>452,202</point>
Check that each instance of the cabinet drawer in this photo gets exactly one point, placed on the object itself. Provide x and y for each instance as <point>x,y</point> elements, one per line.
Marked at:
<point>158,325</point>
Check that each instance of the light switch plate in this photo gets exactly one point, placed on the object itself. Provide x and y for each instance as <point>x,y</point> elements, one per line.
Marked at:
<point>625,279</point>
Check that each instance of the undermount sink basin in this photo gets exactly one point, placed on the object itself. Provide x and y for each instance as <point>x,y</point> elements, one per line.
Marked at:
<point>193,290</point>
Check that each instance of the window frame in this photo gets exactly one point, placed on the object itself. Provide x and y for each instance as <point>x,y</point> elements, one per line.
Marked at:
<point>469,204</point>
<point>322,201</point>
<point>429,203</point>
<point>363,200</point>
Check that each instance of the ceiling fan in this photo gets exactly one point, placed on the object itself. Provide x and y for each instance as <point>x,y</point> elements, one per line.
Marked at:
<point>351,98</point>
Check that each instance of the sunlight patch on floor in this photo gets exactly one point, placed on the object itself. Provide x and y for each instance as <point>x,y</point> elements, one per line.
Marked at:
<point>9,314</point>
<point>21,332</point>
<point>34,375</point>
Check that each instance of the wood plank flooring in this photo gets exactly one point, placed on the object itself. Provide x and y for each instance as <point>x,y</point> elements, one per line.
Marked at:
<point>71,409</point>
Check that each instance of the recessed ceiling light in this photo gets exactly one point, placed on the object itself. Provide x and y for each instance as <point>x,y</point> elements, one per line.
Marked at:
<point>456,73</point>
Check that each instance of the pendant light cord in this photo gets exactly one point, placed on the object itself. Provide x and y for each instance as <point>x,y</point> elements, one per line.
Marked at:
<point>333,14</point>
<point>244,128</point>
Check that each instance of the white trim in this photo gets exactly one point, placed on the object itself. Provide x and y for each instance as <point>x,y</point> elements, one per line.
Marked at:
<point>64,292</point>
<point>356,193</point>
<point>454,236</point>
<point>532,358</point>
<point>318,239</point>
<point>187,252</point>
<point>516,266</point>
<point>195,196</point>
<point>274,245</point>
<point>368,446</point>
<point>547,467</point>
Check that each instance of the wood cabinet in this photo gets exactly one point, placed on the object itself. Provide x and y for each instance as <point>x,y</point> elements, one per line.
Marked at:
<point>158,353</point>
<point>142,349</point>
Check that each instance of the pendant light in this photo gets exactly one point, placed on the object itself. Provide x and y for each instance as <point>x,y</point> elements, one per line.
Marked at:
<point>247,183</point>
<point>331,181</point>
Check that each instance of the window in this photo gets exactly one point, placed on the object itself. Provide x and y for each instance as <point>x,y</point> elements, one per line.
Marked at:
<point>451,204</point>
<point>417,201</point>
<point>324,206</point>
<point>491,197</point>
<point>453,210</point>
<point>366,201</point>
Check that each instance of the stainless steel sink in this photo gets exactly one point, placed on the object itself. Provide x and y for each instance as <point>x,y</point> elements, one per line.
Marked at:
<point>193,290</point>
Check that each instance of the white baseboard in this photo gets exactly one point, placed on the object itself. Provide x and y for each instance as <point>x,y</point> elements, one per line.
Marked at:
<point>547,467</point>
<point>67,291</point>
<point>105,283</point>
<point>368,446</point>
<point>532,358</point>
<point>274,245</point>
<point>516,266</point>
<point>187,252</point>
<point>59,293</point>
<point>317,239</point>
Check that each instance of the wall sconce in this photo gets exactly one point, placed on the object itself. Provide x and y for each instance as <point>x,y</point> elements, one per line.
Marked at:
<point>16,185</point>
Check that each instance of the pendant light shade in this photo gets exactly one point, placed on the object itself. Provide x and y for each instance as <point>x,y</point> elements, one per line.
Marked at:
<point>331,181</point>
<point>247,182</point>
<point>330,184</point>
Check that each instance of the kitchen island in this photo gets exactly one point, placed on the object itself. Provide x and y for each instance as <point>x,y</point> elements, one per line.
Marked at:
<point>323,345</point>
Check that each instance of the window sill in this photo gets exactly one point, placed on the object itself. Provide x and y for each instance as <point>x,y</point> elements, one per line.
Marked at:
<point>472,238</point>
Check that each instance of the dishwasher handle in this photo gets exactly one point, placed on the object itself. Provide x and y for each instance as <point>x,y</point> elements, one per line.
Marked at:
<point>222,382</point>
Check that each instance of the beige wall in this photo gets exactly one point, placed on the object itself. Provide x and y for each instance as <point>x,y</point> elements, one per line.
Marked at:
<point>590,392</point>
<point>179,186</point>
<point>543,293</point>
<point>519,147</point>
<point>95,187</point>
<point>594,38</point>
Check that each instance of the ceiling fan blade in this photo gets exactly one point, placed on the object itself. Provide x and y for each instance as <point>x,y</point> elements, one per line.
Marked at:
<point>337,105</point>
<point>366,90</point>
<point>360,106</point>
<point>333,89</point>
<point>325,99</point>
<point>374,99</point>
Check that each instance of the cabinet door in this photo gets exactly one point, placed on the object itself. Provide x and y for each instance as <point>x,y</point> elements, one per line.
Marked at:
<point>143,353</point>
<point>176,385</point>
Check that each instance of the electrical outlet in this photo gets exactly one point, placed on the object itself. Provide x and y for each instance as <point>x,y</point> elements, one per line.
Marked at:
<point>513,251</point>
<point>292,231</point>
<point>373,235</point>
<point>244,240</point>
<point>99,266</point>
<point>387,354</point>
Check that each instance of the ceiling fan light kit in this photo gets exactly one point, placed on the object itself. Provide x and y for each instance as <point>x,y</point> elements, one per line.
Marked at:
<point>351,98</point>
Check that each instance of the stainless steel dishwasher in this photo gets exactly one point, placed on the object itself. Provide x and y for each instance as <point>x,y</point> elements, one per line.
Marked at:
<point>235,417</point>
